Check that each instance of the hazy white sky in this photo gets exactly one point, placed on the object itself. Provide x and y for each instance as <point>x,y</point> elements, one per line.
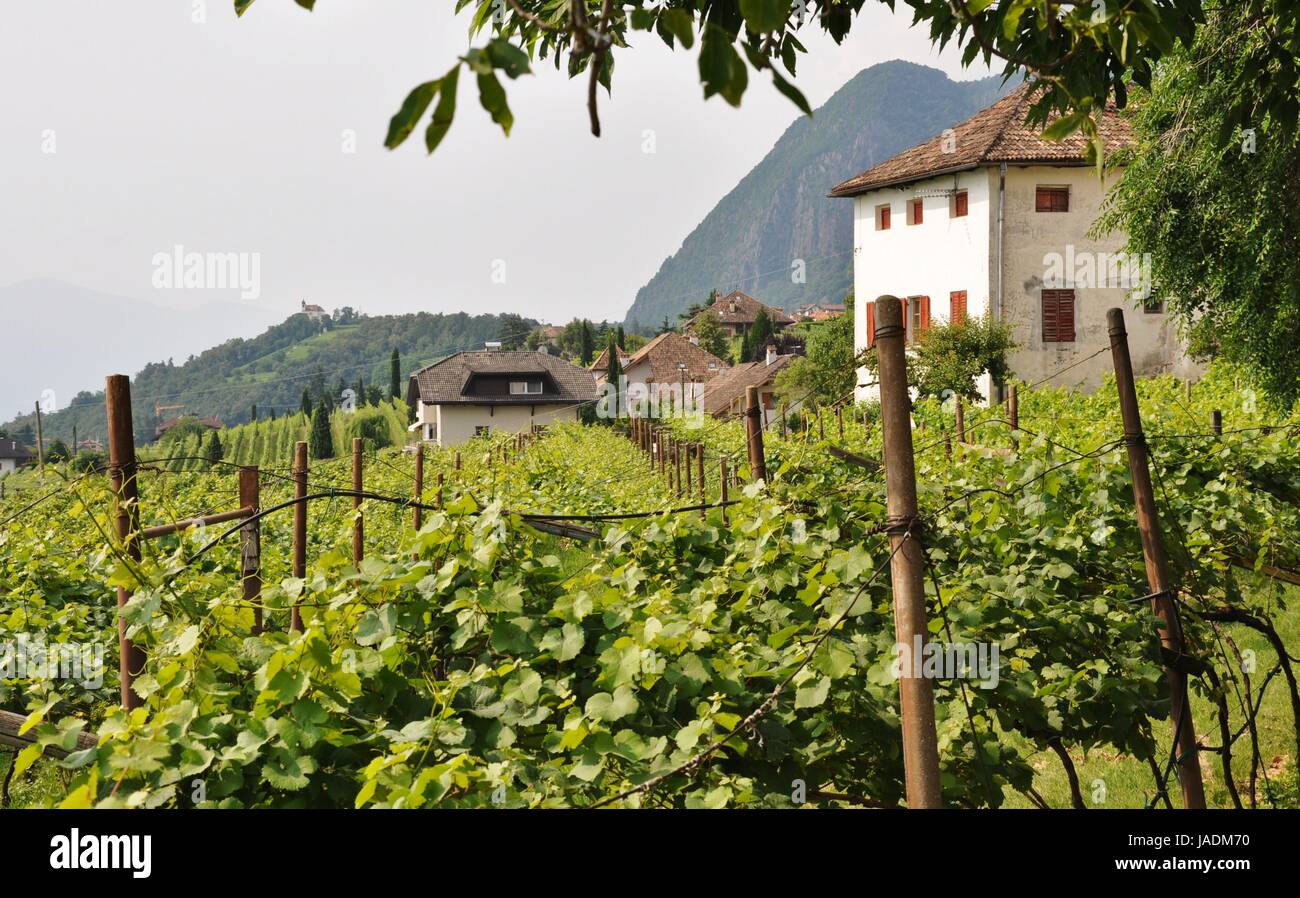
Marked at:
<point>228,136</point>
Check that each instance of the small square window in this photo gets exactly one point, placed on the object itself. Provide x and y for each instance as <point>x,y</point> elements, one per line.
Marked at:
<point>882,217</point>
<point>1052,199</point>
<point>482,430</point>
<point>1153,304</point>
<point>960,204</point>
<point>525,387</point>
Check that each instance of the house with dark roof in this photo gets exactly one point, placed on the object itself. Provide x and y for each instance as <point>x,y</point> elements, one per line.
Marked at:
<point>488,391</point>
<point>669,361</point>
<point>736,313</point>
<point>13,455</point>
<point>991,218</point>
<point>725,395</point>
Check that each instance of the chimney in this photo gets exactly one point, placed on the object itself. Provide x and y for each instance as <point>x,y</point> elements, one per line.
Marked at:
<point>695,341</point>
<point>492,345</point>
<point>543,350</point>
<point>771,353</point>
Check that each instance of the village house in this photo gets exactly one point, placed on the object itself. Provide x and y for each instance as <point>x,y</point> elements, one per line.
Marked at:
<point>736,313</point>
<point>725,395</point>
<point>991,218</point>
<point>13,455</point>
<point>819,312</point>
<point>478,393</point>
<point>668,360</point>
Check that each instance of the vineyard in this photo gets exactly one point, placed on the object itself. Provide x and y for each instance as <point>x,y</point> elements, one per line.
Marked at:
<point>662,647</point>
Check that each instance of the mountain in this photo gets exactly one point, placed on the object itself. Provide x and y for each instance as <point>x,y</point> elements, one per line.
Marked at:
<point>272,369</point>
<point>58,338</point>
<point>779,212</point>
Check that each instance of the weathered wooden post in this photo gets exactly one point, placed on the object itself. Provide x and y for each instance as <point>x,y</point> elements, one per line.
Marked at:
<point>959,425</point>
<point>1013,407</point>
<point>40,441</point>
<point>457,459</point>
<point>1216,422</point>
<point>418,516</point>
<point>784,412</point>
<point>438,499</point>
<point>916,692</point>
<point>1157,565</point>
<point>722,480</point>
<point>839,417</point>
<point>122,481</point>
<point>678,451</point>
<point>699,455</point>
<point>299,526</point>
<point>250,544</point>
<point>754,435</point>
<point>358,524</point>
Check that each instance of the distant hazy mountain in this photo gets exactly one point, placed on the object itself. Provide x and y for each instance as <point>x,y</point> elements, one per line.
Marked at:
<point>57,339</point>
<point>779,212</point>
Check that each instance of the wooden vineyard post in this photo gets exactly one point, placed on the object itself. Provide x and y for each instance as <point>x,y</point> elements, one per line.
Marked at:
<point>438,499</point>
<point>839,417</point>
<point>40,441</point>
<point>754,435</point>
<point>959,425</point>
<point>699,455</point>
<point>722,481</point>
<point>358,523</point>
<point>947,445</point>
<point>418,516</point>
<point>457,459</point>
<point>1216,422</point>
<point>821,429</point>
<point>784,413</point>
<point>250,544</point>
<point>299,525</point>
<point>677,462</point>
<point>1157,565</point>
<point>1013,407</point>
<point>916,692</point>
<point>122,480</point>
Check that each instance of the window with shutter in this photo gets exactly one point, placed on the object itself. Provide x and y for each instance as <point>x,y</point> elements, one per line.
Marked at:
<point>882,218</point>
<point>957,307</point>
<point>923,313</point>
<point>916,212</point>
<point>1058,316</point>
<point>959,204</point>
<point>1052,199</point>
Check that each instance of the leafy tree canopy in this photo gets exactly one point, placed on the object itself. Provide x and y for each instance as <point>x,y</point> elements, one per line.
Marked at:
<point>1215,203</point>
<point>1081,53</point>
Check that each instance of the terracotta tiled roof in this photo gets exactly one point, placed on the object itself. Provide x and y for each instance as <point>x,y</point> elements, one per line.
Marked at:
<point>445,382</point>
<point>669,349</point>
<point>601,365</point>
<point>991,136</point>
<point>741,308</point>
<point>730,386</point>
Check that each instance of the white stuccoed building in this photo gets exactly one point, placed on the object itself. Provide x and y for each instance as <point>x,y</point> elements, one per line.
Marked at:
<point>988,217</point>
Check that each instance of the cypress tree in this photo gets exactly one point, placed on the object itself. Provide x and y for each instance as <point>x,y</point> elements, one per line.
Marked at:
<point>321,443</point>
<point>215,451</point>
<point>395,376</point>
<point>614,372</point>
<point>305,407</point>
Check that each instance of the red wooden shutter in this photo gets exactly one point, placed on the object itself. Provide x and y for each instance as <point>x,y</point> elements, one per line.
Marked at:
<point>1052,199</point>
<point>925,313</point>
<point>884,218</point>
<point>871,324</point>
<point>918,212</point>
<point>1058,316</point>
<point>959,204</point>
<point>957,307</point>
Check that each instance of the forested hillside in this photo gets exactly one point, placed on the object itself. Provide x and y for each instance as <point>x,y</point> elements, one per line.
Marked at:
<point>271,371</point>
